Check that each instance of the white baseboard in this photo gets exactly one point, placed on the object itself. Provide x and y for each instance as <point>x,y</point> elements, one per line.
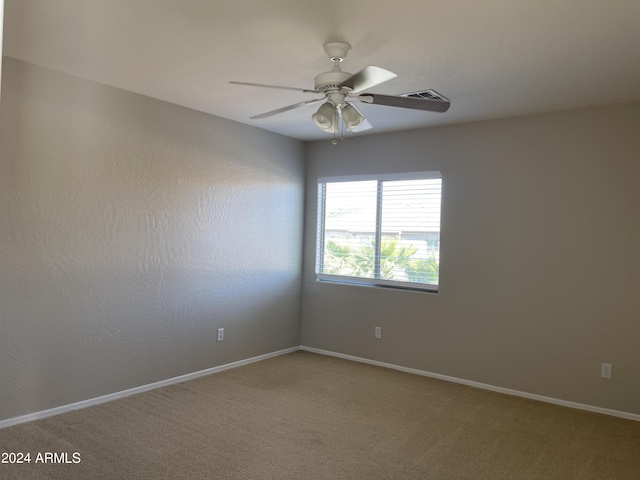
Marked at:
<point>191,376</point>
<point>507,391</point>
<point>133,391</point>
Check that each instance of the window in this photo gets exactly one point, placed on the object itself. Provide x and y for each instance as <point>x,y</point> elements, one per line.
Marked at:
<point>382,231</point>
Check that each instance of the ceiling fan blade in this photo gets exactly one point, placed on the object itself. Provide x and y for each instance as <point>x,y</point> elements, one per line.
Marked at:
<point>367,77</point>
<point>406,102</point>
<point>285,109</point>
<point>274,86</point>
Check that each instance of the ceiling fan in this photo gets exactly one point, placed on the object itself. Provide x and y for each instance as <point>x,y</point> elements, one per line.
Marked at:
<point>338,88</point>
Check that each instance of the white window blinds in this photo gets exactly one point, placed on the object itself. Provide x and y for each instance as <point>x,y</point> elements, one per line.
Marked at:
<point>382,231</point>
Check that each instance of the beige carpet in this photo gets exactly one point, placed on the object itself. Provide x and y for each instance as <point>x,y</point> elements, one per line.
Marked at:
<point>307,416</point>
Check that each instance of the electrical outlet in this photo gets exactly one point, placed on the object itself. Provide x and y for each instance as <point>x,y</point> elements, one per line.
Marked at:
<point>220,334</point>
<point>378,332</point>
<point>607,370</point>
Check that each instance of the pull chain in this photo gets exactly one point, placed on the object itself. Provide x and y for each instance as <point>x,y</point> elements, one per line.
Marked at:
<point>336,120</point>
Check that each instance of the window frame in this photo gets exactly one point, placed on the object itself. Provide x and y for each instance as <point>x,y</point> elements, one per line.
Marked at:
<point>320,231</point>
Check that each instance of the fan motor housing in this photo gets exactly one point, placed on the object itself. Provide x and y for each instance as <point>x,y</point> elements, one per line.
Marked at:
<point>330,80</point>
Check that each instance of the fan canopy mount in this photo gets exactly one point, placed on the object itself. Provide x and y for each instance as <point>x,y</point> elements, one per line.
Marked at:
<point>337,51</point>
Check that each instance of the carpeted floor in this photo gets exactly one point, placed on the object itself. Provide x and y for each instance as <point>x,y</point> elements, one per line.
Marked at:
<point>307,416</point>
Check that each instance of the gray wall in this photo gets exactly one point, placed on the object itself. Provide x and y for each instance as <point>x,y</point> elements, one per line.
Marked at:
<point>540,259</point>
<point>130,230</point>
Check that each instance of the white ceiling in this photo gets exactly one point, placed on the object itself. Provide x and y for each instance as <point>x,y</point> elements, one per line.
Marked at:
<point>492,58</point>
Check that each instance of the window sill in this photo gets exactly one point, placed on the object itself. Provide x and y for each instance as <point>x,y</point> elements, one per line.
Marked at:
<point>379,283</point>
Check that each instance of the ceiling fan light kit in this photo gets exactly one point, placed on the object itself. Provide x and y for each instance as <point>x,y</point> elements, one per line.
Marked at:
<point>324,118</point>
<point>351,116</point>
<point>337,86</point>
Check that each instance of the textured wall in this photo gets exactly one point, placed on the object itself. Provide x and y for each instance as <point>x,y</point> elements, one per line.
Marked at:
<point>540,262</point>
<point>130,230</point>
<point>1,33</point>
